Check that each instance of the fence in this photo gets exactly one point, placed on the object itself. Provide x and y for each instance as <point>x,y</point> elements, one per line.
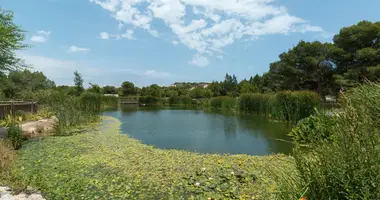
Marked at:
<point>11,107</point>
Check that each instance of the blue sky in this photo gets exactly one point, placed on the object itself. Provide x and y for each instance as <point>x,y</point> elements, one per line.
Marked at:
<point>163,41</point>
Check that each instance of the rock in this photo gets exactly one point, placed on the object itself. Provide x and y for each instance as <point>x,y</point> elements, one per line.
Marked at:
<point>7,197</point>
<point>21,196</point>
<point>4,189</point>
<point>35,197</point>
<point>6,194</point>
<point>35,128</point>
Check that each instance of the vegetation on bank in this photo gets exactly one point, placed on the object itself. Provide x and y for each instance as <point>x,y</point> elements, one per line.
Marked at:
<point>104,164</point>
<point>338,156</point>
<point>283,106</point>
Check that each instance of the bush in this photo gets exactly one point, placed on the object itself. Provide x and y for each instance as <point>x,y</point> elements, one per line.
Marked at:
<point>224,103</point>
<point>255,103</point>
<point>293,106</point>
<point>73,111</point>
<point>14,135</point>
<point>346,166</point>
<point>182,101</point>
<point>7,155</point>
<point>149,100</point>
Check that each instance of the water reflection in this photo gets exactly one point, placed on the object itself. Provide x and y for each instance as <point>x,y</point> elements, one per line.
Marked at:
<point>208,131</point>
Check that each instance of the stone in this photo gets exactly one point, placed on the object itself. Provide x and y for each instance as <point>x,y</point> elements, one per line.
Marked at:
<point>4,189</point>
<point>7,197</point>
<point>35,197</point>
<point>21,196</point>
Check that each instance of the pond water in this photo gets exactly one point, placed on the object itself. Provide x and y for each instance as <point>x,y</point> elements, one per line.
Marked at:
<point>203,131</point>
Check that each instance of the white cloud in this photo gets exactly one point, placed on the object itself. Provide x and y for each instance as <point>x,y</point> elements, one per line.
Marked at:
<point>156,74</point>
<point>104,35</point>
<point>128,35</point>
<point>199,60</point>
<point>210,24</point>
<point>41,36</point>
<point>75,49</point>
<point>220,57</point>
<point>175,42</point>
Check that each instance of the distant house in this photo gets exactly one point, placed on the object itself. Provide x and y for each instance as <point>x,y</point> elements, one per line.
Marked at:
<point>112,95</point>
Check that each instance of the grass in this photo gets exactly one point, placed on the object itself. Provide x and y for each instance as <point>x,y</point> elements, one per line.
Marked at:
<point>104,164</point>
<point>337,157</point>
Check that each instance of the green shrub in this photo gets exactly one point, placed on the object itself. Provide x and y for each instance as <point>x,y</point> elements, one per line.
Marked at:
<point>110,101</point>
<point>224,102</point>
<point>14,135</point>
<point>149,100</point>
<point>255,103</point>
<point>314,128</point>
<point>73,111</point>
<point>293,106</point>
<point>346,166</point>
<point>182,101</point>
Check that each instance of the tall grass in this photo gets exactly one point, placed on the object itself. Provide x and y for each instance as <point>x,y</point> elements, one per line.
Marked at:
<point>339,160</point>
<point>284,106</point>
<point>224,102</point>
<point>182,101</point>
<point>73,111</point>
<point>149,100</point>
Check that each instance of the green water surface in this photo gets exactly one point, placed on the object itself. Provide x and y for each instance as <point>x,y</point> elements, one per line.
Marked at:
<point>209,131</point>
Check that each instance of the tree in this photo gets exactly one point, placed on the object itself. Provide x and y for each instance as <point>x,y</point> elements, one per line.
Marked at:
<point>307,66</point>
<point>78,82</point>
<point>197,93</point>
<point>247,87</point>
<point>154,90</point>
<point>109,89</point>
<point>128,88</point>
<point>11,38</point>
<point>95,89</point>
<point>358,53</point>
<point>216,88</point>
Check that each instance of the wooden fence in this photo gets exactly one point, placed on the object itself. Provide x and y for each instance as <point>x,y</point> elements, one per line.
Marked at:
<point>12,107</point>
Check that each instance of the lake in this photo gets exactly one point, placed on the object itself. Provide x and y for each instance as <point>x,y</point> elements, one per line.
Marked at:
<point>203,131</point>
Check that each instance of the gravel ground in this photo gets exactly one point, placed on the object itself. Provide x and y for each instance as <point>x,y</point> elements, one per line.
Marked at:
<point>6,194</point>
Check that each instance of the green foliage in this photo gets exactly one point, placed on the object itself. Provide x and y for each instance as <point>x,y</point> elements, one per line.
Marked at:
<point>313,129</point>
<point>110,89</point>
<point>293,106</point>
<point>228,103</point>
<point>128,88</point>
<point>255,103</point>
<point>73,111</point>
<point>150,100</point>
<point>11,38</point>
<point>182,101</point>
<point>78,82</point>
<point>345,166</point>
<point>14,135</point>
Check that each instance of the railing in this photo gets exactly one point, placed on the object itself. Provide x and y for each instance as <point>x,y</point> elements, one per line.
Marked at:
<point>12,107</point>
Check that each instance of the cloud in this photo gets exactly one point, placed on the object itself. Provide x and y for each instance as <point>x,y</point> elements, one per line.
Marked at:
<point>104,36</point>
<point>75,49</point>
<point>210,24</point>
<point>128,35</point>
<point>175,42</point>
<point>41,36</point>
<point>220,57</point>
<point>199,60</point>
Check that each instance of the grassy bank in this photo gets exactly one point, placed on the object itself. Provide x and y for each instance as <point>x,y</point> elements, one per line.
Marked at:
<point>104,164</point>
